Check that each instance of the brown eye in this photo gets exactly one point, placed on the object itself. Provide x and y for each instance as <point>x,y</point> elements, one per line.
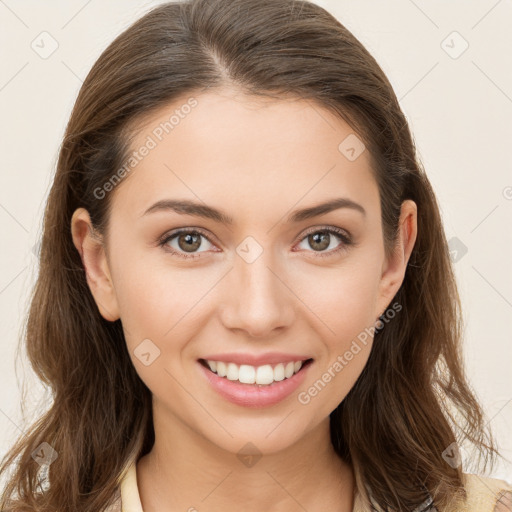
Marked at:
<point>319,241</point>
<point>189,242</point>
<point>323,239</point>
<point>185,243</point>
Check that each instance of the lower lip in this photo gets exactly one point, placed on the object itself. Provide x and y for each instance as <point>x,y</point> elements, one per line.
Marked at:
<point>252,395</point>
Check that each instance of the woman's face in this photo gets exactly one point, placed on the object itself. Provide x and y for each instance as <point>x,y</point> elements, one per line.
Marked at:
<point>272,280</point>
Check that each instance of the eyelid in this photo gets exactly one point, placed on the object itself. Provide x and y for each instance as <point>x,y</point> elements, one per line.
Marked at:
<point>347,241</point>
<point>179,231</point>
<point>343,234</point>
<point>165,238</point>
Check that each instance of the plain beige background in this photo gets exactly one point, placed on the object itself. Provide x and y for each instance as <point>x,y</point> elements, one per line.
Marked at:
<point>450,66</point>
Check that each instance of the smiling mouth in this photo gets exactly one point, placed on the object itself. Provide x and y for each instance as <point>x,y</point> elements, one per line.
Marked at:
<point>263,376</point>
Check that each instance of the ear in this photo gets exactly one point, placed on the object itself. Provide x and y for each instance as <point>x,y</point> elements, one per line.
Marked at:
<point>393,269</point>
<point>94,259</point>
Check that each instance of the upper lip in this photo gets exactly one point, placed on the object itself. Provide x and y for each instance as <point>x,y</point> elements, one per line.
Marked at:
<point>240,358</point>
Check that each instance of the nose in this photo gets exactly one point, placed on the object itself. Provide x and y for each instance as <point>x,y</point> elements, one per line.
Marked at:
<point>258,299</point>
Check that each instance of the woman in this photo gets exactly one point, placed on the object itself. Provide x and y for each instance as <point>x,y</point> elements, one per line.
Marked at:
<point>245,297</point>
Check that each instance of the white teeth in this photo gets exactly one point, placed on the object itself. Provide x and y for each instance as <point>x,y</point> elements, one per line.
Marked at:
<point>289,369</point>
<point>232,371</point>
<point>279,372</point>
<point>247,374</point>
<point>221,369</point>
<point>264,374</point>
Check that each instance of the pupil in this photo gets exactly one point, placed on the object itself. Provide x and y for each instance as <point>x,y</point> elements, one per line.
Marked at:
<point>317,239</point>
<point>192,242</point>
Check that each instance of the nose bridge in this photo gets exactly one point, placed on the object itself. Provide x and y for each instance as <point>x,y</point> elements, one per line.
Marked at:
<point>258,301</point>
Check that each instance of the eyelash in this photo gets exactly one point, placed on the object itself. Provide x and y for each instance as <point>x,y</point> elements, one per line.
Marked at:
<point>343,235</point>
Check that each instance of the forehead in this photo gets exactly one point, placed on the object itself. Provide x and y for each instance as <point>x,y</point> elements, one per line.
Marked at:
<point>230,146</point>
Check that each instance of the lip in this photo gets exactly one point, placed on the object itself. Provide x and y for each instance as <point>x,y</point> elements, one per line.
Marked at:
<point>253,395</point>
<point>256,360</point>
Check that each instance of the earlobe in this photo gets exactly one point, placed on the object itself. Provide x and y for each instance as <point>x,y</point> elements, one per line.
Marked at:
<point>393,271</point>
<point>92,253</point>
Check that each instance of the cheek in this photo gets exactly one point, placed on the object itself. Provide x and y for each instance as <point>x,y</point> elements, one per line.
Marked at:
<point>138,284</point>
<point>145,301</point>
<point>159,301</point>
<point>156,310</point>
<point>342,297</point>
<point>345,307</point>
<point>343,300</point>
<point>352,309</point>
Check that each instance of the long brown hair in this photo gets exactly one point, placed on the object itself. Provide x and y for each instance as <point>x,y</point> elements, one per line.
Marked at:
<point>411,401</point>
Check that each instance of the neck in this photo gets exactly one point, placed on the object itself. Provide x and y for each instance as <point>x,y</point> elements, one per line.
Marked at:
<point>185,471</point>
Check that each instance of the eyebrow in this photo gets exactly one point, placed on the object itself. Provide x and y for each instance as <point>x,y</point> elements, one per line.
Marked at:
<point>185,206</point>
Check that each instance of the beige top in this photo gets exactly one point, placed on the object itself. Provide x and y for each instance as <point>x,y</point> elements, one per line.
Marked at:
<point>485,494</point>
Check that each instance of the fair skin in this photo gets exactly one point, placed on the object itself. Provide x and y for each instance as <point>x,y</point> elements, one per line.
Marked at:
<point>258,161</point>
